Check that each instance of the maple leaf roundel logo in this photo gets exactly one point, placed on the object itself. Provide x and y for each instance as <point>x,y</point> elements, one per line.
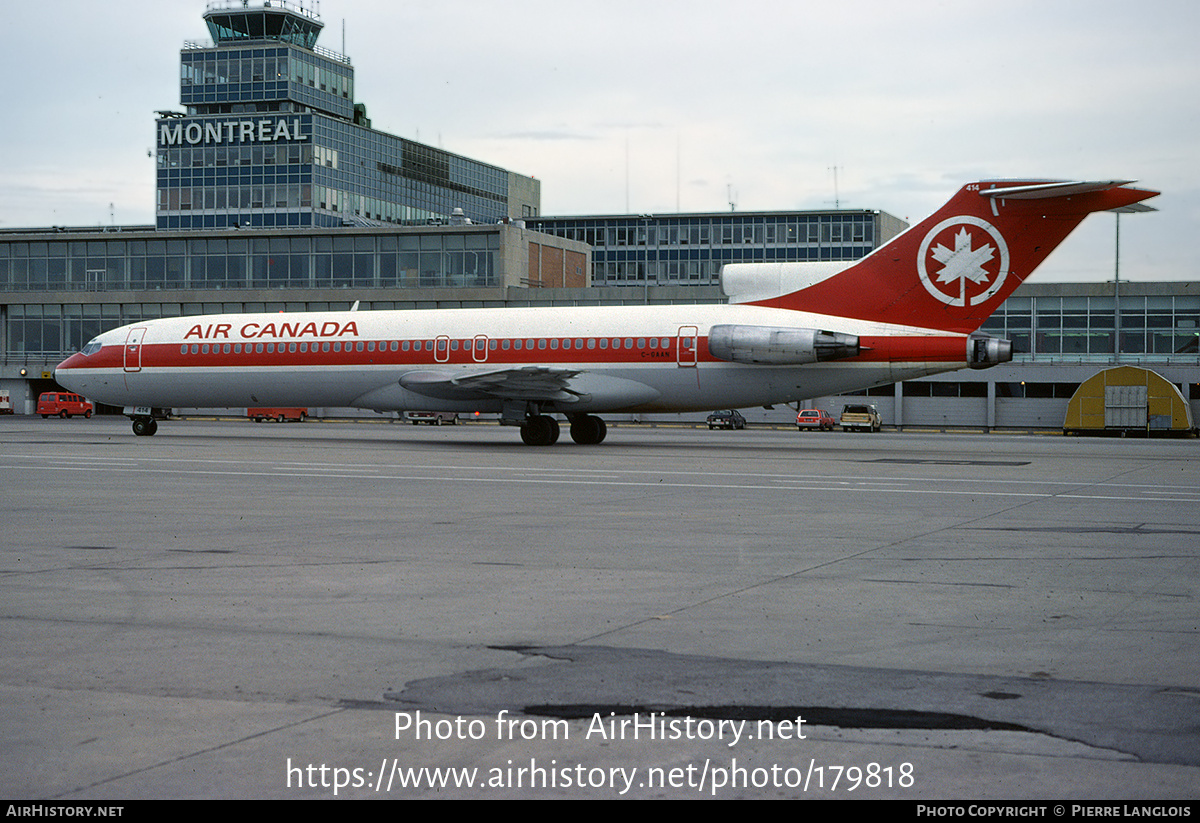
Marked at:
<point>963,261</point>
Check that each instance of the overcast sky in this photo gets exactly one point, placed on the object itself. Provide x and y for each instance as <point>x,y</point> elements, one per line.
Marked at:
<point>666,105</point>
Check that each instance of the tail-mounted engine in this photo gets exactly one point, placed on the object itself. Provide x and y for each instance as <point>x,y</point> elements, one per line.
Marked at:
<point>769,345</point>
<point>984,351</point>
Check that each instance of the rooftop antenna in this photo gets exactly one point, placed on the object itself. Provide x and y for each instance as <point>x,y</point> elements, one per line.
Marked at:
<point>1117,291</point>
<point>732,196</point>
<point>627,172</point>
<point>837,204</point>
<point>678,170</point>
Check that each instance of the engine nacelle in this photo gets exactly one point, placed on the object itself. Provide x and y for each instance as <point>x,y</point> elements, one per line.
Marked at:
<point>769,345</point>
<point>983,351</point>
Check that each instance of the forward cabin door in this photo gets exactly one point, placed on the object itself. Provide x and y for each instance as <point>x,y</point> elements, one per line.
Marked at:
<point>134,342</point>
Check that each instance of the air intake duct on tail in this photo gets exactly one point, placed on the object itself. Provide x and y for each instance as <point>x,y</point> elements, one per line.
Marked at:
<point>769,345</point>
<point>984,351</point>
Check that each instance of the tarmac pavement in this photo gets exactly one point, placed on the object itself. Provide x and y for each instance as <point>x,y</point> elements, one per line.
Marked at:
<point>229,610</point>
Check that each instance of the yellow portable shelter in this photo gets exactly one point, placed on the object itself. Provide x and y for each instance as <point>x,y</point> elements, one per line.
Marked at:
<point>1127,400</point>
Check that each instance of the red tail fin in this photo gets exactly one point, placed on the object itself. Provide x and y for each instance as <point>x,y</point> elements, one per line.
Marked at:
<point>953,269</point>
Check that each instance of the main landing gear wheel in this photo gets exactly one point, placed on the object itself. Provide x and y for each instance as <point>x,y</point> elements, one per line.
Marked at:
<point>588,430</point>
<point>144,426</point>
<point>540,431</point>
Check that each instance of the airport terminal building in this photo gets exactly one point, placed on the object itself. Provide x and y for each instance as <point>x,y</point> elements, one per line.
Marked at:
<point>274,193</point>
<point>636,250</point>
<point>271,136</point>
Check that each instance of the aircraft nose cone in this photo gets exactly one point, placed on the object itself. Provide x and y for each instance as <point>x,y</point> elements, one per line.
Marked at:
<point>65,372</point>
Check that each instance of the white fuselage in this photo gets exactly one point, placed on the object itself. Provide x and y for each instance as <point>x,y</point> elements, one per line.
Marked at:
<point>630,358</point>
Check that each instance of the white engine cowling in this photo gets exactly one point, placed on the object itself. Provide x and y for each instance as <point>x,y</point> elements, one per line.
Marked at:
<point>770,345</point>
<point>984,351</point>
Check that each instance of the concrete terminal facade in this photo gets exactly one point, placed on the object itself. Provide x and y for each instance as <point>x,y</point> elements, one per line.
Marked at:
<point>690,249</point>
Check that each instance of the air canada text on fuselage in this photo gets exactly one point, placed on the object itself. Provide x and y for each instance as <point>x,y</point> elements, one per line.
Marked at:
<point>329,328</point>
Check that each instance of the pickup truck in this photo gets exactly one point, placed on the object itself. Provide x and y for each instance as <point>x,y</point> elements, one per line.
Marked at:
<point>861,417</point>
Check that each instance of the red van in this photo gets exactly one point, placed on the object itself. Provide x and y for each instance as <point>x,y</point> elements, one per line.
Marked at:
<point>63,404</point>
<point>282,415</point>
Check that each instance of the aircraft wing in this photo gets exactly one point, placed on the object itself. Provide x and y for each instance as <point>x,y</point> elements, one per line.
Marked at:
<point>528,383</point>
<point>541,384</point>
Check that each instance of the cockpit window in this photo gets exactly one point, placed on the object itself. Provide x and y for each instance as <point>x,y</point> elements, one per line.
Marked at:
<point>92,347</point>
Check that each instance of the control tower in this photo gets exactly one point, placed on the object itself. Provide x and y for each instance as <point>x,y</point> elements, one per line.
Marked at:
<point>272,137</point>
<point>272,21</point>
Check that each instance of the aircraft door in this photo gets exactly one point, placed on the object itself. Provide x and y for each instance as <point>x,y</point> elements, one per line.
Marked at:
<point>134,342</point>
<point>685,352</point>
<point>479,350</point>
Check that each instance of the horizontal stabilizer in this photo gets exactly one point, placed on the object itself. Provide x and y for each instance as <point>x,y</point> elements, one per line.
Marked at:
<point>1044,191</point>
<point>1133,208</point>
<point>1041,191</point>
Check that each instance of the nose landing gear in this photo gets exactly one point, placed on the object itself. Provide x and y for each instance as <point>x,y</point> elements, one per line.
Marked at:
<point>144,426</point>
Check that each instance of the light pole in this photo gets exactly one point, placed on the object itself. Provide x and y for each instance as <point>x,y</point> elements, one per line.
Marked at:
<point>1130,209</point>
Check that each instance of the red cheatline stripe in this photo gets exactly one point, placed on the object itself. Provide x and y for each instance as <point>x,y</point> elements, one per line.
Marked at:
<point>906,349</point>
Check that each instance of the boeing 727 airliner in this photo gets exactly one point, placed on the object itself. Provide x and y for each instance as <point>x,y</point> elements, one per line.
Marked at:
<point>792,331</point>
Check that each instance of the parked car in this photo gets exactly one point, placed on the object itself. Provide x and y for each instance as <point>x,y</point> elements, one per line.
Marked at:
<point>434,418</point>
<point>63,404</point>
<point>861,417</point>
<point>818,419</point>
<point>281,415</point>
<point>726,419</point>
